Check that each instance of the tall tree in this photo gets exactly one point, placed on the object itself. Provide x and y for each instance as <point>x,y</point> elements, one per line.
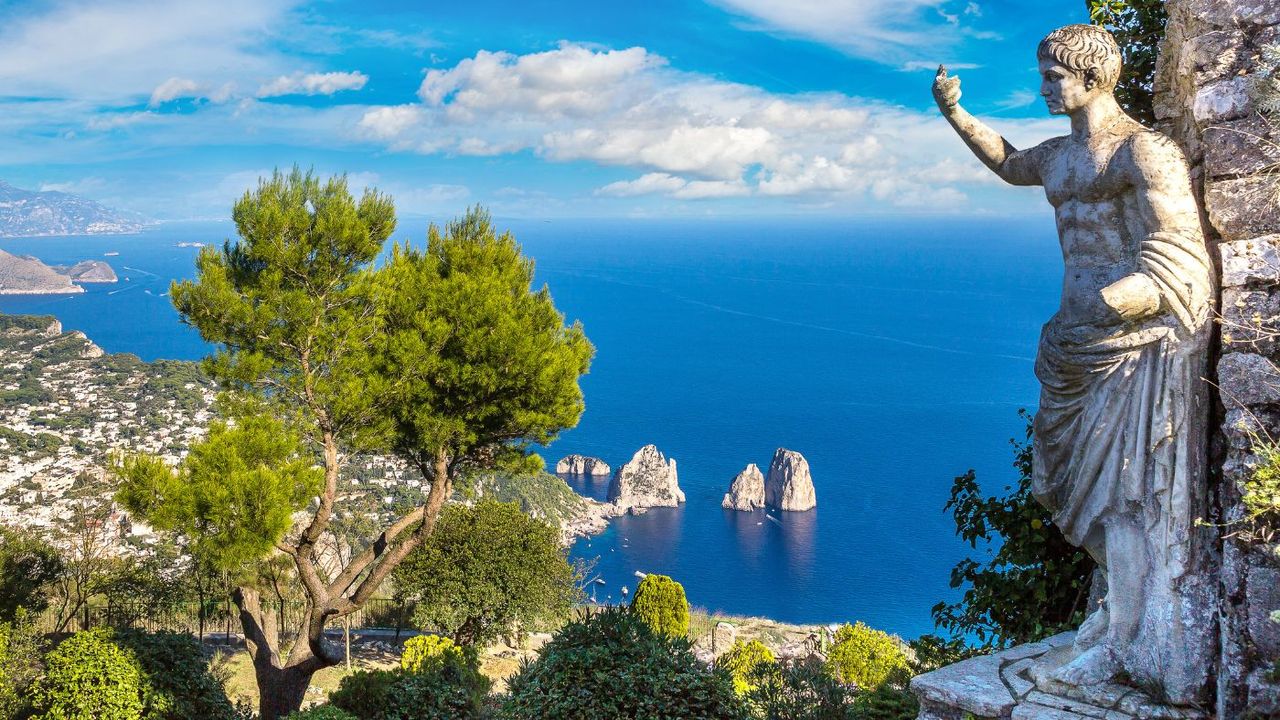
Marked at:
<point>1138,26</point>
<point>28,566</point>
<point>446,357</point>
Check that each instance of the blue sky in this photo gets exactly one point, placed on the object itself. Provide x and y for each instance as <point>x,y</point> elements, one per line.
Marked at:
<point>533,108</point>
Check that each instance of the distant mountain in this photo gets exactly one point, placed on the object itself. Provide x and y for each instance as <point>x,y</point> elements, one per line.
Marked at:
<point>25,213</point>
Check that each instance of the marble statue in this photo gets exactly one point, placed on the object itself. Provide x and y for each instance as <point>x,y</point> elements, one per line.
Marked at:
<point>1121,430</point>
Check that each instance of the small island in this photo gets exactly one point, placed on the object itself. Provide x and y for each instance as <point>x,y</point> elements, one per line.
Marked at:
<point>582,465</point>
<point>26,275</point>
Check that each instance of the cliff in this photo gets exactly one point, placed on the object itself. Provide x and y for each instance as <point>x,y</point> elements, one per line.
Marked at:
<point>647,480</point>
<point>789,485</point>
<point>747,490</point>
<point>582,465</point>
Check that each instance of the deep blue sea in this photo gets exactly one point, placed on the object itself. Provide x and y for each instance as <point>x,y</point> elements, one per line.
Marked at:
<point>893,354</point>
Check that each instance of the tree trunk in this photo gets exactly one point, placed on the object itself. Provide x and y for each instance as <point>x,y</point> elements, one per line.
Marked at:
<point>282,690</point>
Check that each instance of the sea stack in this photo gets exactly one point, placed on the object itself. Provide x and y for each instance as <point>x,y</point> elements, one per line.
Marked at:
<point>747,491</point>
<point>582,465</point>
<point>647,480</point>
<point>789,485</point>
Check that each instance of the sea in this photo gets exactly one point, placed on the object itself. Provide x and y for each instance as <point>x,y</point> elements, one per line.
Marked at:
<point>894,354</point>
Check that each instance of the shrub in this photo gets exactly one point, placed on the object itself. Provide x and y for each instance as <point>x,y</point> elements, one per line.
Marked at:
<point>321,712</point>
<point>800,691</point>
<point>88,678</point>
<point>19,648</point>
<point>449,691</point>
<point>890,701</point>
<point>612,666</point>
<point>175,680</point>
<point>428,653</point>
<point>659,601</point>
<point>741,661</point>
<point>865,657</point>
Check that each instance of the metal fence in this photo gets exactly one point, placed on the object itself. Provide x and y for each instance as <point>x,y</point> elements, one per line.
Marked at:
<point>218,617</point>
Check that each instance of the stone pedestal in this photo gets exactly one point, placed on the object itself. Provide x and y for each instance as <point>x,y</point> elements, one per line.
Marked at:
<point>1016,685</point>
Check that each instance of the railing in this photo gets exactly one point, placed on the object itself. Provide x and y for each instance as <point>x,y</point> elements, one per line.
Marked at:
<point>220,617</point>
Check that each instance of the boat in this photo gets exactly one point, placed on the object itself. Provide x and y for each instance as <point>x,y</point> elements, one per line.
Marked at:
<point>640,574</point>
<point>113,253</point>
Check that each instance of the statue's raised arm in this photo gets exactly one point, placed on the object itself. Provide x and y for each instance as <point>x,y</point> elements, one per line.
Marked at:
<point>1013,166</point>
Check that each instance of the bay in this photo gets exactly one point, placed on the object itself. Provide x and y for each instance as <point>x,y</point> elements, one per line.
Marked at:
<point>894,354</point>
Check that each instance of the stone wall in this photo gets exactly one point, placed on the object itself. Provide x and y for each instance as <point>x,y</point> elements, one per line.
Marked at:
<point>1213,49</point>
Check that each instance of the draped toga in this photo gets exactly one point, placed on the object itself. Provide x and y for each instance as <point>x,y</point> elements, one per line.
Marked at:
<point>1113,435</point>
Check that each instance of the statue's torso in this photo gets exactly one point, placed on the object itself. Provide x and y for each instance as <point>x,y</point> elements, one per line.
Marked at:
<point>1099,227</point>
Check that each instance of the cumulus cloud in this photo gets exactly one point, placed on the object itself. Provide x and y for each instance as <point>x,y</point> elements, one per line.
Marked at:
<point>174,88</point>
<point>688,135</point>
<point>300,83</point>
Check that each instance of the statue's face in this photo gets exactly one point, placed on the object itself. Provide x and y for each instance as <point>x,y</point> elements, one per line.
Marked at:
<point>1063,90</point>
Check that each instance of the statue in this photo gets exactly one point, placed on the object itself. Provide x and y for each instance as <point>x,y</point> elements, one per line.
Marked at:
<point>1121,430</point>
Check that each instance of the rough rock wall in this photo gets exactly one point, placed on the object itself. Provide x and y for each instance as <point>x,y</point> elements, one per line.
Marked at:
<point>1212,50</point>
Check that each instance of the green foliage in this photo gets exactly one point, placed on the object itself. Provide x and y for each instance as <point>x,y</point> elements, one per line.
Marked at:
<point>890,701</point>
<point>1138,26</point>
<point>1264,83</point>
<point>660,602</point>
<point>539,494</point>
<point>741,660</point>
<point>322,712</point>
<point>1261,490</point>
<point>612,666</point>
<point>486,365</point>
<point>448,691</point>
<point>175,680</point>
<point>802,690</point>
<point>1035,583</point>
<point>88,677</point>
<point>486,568</point>
<point>20,650</point>
<point>288,302</point>
<point>234,494</point>
<point>866,658</point>
<point>26,322</point>
<point>28,565</point>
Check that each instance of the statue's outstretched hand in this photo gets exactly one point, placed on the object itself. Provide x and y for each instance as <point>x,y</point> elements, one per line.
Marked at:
<point>946,90</point>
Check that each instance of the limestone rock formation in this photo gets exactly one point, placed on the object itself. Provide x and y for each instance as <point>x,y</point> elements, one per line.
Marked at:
<point>582,465</point>
<point>747,491</point>
<point>647,480</point>
<point>789,485</point>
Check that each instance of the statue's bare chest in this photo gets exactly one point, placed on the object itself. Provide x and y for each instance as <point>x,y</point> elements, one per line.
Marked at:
<point>1083,174</point>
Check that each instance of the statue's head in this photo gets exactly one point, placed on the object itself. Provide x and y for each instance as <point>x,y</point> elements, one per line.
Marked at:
<point>1078,63</point>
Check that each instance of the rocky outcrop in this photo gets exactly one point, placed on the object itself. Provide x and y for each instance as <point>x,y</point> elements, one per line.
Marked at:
<point>789,485</point>
<point>582,465</point>
<point>746,493</point>
<point>20,275</point>
<point>88,271</point>
<point>647,480</point>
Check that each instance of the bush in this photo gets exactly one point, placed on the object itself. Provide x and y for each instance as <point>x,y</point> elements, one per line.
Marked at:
<point>800,691</point>
<point>741,661</point>
<point>612,666</point>
<point>321,712</point>
<point>88,678</point>
<point>175,680</point>
<point>19,648</point>
<point>28,565</point>
<point>890,701</point>
<point>428,653</point>
<point>865,657</point>
<point>659,601</point>
<point>449,691</point>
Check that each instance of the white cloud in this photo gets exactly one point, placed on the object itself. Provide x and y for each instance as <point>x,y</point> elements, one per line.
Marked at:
<point>647,184</point>
<point>300,83</point>
<point>688,135</point>
<point>174,88</point>
<point>880,31</point>
<point>114,50</point>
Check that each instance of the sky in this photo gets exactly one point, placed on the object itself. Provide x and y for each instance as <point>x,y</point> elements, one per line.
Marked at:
<point>533,108</point>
